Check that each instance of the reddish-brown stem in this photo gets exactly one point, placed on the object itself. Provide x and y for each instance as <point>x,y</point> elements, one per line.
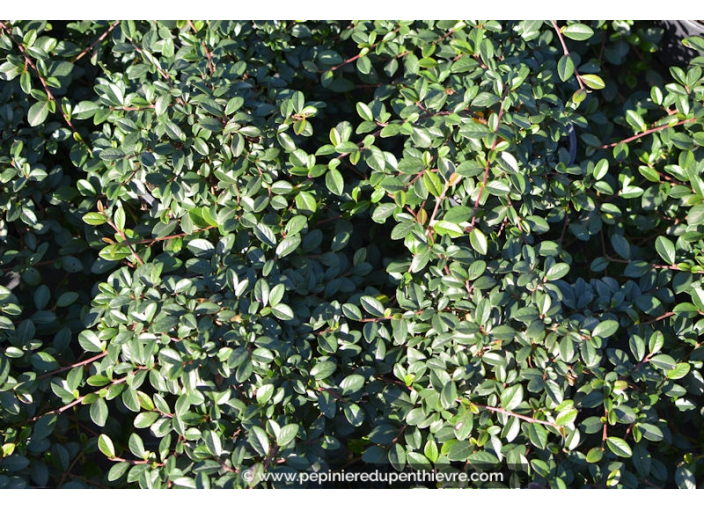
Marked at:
<point>208,54</point>
<point>135,462</point>
<point>564,227</point>
<point>79,364</point>
<point>656,319</point>
<point>488,167</point>
<point>163,73</point>
<point>327,220</point>
<point>127,242</point>
<point>435,211</point>
<point>352,59</point>
<point>566,52</point>
<point>81,398</point>
<point>173,236</point>
<point>400,433</point>
<point>132,108</point>
<point>50,96</point>
<point>646,133</point>
<point>342,64</point>
<point>375,319</point>
<point>523,417</point>
<point>70,467</point>
<point>98,40</point>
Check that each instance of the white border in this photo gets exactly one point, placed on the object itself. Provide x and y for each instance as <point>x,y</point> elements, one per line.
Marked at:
<point>326,9</point>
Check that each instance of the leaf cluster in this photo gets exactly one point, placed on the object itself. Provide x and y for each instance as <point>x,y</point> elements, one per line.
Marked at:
<point>282,246</point>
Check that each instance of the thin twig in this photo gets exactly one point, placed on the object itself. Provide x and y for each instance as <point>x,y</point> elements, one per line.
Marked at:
<point>50,96</point>
<point>208,54</point>
<point>488,167</point>
<point>173,236</point>
<point>352,59</point>
<point>79,364</point>
<point>646,133</point>
<point>567,53</point>
<point>564,227</point>
<point>656,319</point>
<point>82,397</point>
<point>127,242</point>
<point>523,417</point>
<point>99,39</point>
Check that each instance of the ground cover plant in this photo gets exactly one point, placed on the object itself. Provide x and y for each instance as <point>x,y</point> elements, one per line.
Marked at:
<point>293,247</point>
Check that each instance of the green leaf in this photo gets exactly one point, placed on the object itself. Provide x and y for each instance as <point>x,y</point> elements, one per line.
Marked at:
<point>621,246</point>
<point>636,121</point>
<point>287,434</point>
<point>448,395</point>
<point>663,362</point>
<point>44,426</point>
<point>105,445</point>
<point>478,241</point>
<point>432,182</point>
<point>327,404</point>
<point>286,142</point>
<point>38,113</point>
<point>474,130</point>
<point>213,442</point>
<point>94,218</point>
<point>565,68</point>
<point>666,249</point>
<point>14,463</point>
<point>498,188</point>
<point>605,329</point>
<point>538,435</point>
<point>577,32</point>
<point>352,312</point>
<point>288,245</point>
<point>352,383</point>
<point>118,470</point>
<point>684,477</point>
<point>173,131</point>
<point>90,342</point>
<point>265,234</point>
<point>145,419</point>
<point>306,202</point>
<point>619,447</point>
<point>334,181</point>
<point>136,446</point>
<point>601,169</point>
<point>566,417</point>
<point>323,370</point>
<point>85,110</point>
<point>113,252</point>
<point>680,371</point>
<point>372,306</point>
<point>431,450</point>
<point>258,440</point>
<point>460,451</point>
<point>264,393</point>
<point>99,412</point>
<point>446,228</point>
<point>557,271</point>
<point>365,112</point>
<point>593,81</point>
<point>512,397</point>
<point>283,311</point>
<point>346,148</point>
<point>594,455</point>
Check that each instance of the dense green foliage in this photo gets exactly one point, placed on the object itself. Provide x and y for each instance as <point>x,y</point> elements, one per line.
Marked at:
<point>306,246</point>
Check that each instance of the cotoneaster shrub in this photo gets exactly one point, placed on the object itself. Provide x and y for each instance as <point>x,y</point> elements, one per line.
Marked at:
<point>300,246</point>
